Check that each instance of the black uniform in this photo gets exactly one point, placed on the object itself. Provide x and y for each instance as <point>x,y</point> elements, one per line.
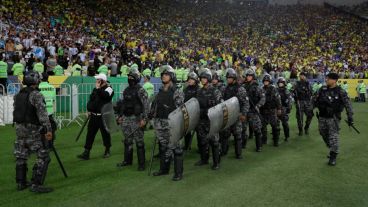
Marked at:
<point>98,98</point>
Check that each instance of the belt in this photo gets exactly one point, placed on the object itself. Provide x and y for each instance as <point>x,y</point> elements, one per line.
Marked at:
<point>96,114</point>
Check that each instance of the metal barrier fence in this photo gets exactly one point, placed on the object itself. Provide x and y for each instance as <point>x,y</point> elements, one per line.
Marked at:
<point>71,100</point>
<point>84,91</point>
<point>63,111</point>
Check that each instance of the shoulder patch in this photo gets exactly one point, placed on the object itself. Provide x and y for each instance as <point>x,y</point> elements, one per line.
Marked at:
<point>109,90</point>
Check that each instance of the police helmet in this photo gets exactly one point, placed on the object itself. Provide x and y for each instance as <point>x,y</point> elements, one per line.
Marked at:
<point>192,75</point>
<point>249,72</point>
<point>206,73</point>
<point>135,74</point>
<point>231,73</point>
<point>267,77</point>
<point>281,80</point>
<point>167,69</point>
<point>32,78</point>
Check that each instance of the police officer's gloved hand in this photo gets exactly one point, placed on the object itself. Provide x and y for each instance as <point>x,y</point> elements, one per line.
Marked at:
<point>350,121</point>
<point>48,136</point>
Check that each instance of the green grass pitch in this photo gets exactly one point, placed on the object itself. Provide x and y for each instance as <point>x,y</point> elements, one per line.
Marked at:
<point>294,174</point>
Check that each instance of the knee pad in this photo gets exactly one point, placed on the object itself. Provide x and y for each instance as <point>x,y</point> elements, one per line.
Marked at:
<point>178,151</point>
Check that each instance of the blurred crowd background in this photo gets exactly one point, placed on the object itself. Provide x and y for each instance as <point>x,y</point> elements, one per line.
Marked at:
<point>79,38</point>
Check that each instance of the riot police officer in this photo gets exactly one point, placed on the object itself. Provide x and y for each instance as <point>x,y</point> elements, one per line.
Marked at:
<point>190,91</point>
<point>256,100</point>
<point>303,101</point>
<point>216,82</point>
<point>270,110</point>
<point>286,106</point>
<point>167,100</point>
<point>208,96</point>
<point>100,96</point>
<point>233,89</point>
<point>331,101</point>
<point>133,111</point>
<point>31,118</point>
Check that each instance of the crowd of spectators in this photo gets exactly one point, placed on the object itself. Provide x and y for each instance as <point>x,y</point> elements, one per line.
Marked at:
<point>87,37</point>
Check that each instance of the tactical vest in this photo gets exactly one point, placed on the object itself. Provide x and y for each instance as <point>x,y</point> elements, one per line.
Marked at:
<point>165,103</point>
<point>270,98</point>
<point>284,97</point>
<point>303,92</point>
<point>252,91</point>
<point>24,112</point>
<point>190,92</point>
<point>218,86</point>
<point>132,104</point>
<point>231,91</point>
<point>329,102</point>
<point>206,97</point>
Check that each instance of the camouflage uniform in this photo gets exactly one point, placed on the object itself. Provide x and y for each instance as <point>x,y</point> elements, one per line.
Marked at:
<point>303,102</point>
<point>256,100</point>
<point>286,108</point>
<point>222,134</point>
<point>29,139</point>
<point>165,102</point>
<point>236,129</point>
<point>208,98</point>
<point>331,102</point>
<point>133,108</point>
<point>269,113</point>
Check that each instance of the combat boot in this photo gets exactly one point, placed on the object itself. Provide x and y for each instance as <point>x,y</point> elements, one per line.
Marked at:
<point>286,133</point>
<point>238,149</point>
<point>224,147</point>
<point>128,156</point>
<point>300,132</point>
<point>40,189</point>
<point>178,167</point>
<point>141,158</point>
<point>258,142</point>
<point>244,138</point>
<point>332,160</point>
<point>187,141</point>
<point>38,178</point>
<point>84,155</point>
<point>215,157</point>
<point>204,156</point>
<point>306,132</point>
<point>107,153</point>
<point>164,166</point>
<point>21,177</point>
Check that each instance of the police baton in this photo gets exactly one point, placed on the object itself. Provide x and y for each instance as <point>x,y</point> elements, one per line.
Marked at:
<point>48,144</point>
<point>80,132</point>
<point>352,126</point>
<point>152,155</point>
<point>52,147</point>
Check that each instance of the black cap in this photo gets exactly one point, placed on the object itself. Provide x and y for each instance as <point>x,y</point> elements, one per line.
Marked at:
<point>333,76</point>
